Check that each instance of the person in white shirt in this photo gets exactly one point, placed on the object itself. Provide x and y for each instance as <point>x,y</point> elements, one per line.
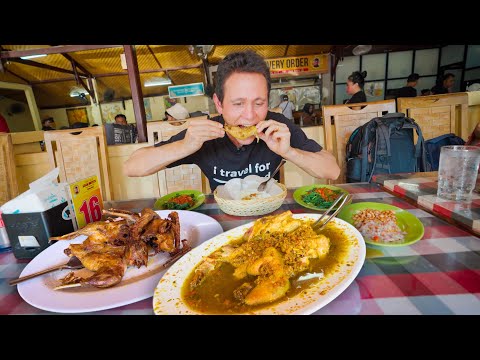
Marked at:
<point>287,107</point>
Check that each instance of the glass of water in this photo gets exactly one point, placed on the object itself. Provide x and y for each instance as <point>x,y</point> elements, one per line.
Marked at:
<point>457,172</point>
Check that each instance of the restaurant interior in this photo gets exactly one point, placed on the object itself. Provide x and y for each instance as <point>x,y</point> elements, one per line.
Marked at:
<point>84,87</point>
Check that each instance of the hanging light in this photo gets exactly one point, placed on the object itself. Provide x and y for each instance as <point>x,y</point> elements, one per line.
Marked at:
<point>361,49</point>
<point>157,81</point>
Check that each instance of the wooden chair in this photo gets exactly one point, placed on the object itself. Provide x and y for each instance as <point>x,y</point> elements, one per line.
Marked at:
<point>341,120</point>
<point>182,177</point>
<point>80,153</point>
<point>31,163</point>
<point>8,178</point>
<point>438,114</point>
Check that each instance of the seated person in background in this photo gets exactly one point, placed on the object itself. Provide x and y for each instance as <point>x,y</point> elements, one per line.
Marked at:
<point>121,119</point>
<point>176,113</point>
<point>444,85</point>
<point>48,124</point>
<point>308,117</point>
<point>3,125</point>
<point>241,97</point>
<point>426,92</point>
<point>409,90</point>
<point>355,83</point>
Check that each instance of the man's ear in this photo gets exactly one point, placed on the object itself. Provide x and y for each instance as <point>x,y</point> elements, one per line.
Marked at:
<point>218,104</point>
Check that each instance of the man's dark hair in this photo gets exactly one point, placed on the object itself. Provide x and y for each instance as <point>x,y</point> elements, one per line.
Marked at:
<point>121,115</point>
<point>238,62</point>
<point>358,77</point>
<point>413,77</point>
<point>79,125</point>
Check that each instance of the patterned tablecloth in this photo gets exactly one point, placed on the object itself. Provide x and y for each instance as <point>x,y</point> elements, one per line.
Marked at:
<point>439,274</point>
<point>422,189</point>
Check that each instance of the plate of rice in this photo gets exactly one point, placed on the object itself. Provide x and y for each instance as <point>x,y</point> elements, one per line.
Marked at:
<point>383,224</point>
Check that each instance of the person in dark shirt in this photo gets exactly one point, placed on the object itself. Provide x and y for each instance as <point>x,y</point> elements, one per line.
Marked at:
<point>355,83</point>
<point>444,85</point>
<point>409,90</point>
<point>241,98</point>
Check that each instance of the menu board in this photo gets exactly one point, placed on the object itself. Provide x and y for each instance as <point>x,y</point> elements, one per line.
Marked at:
<point>87,202</point>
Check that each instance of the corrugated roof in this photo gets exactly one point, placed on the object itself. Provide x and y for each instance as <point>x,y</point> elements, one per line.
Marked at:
<point>52,87</point>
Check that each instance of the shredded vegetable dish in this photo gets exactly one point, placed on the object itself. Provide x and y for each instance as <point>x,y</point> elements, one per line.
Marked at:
<point>321,197</point>
<point>180,202</point>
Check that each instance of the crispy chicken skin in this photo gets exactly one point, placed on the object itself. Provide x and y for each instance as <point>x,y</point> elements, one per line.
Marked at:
<point>113,246</point>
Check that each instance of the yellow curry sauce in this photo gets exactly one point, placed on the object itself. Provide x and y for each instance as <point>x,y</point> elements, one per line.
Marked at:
<point>215,294</point>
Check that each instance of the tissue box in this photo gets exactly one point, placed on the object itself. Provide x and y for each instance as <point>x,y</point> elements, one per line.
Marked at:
<point>29,232</point>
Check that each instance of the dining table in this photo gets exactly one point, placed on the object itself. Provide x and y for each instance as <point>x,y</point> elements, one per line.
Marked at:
<point>439,274</point>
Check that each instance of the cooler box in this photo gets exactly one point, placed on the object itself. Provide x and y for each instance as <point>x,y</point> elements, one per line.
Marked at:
<point>29,232</point>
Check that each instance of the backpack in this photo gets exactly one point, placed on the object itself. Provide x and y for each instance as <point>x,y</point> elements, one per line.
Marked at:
<point>385,145</point>
<point>432,148</point>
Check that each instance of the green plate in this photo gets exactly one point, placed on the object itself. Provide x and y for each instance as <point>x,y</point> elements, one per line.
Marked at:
<point>407,222</point>
<point>198,195</point>
<point>297,195</point>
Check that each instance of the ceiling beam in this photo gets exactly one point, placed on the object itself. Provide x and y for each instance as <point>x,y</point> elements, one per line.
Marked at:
<point>136,90</point>
<point>75,63</point>
<point>44,66</point>
<point>150,70</point>
<point>158,62</point>
<point>18,76</point>
<point>52,50</point>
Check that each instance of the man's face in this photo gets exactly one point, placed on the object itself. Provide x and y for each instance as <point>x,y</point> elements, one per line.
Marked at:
<point>50,123</point>
<point>448,83</point>
<point>245,101</point>
<point>120,120</point>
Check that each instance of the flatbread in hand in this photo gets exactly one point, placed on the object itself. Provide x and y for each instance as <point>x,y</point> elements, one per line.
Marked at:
<point>242,133</point>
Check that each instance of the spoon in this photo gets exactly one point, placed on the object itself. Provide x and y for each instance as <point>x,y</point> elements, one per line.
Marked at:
<point>262,186</point>
<point>73,264</point>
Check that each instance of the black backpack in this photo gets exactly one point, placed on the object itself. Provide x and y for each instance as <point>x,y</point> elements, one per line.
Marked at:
<point>433,146</point>
<point>385,145</point>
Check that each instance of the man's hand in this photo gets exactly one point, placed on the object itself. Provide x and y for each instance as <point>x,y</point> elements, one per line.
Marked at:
<point>277,136</point>
<point>199,131</point>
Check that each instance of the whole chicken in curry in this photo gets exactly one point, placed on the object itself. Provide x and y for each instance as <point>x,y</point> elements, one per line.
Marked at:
<point>258,268</point>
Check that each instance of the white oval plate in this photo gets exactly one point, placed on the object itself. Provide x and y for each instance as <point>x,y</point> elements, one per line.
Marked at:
<point>136,285</point>
<point>168,300</point>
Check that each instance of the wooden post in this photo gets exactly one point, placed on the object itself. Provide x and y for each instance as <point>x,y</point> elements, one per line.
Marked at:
<point>137,96</point>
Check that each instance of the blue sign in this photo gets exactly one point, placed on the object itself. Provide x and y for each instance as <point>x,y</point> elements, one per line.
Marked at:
<point>177,91</point>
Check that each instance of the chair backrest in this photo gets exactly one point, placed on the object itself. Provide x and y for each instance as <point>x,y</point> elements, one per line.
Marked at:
<point>183,177</point>
<point>341,120</point>
<point>80,153</point>
<point>8,178</point>
<point>27,141</point>
<point>31,163</point>
<point>438,114</point>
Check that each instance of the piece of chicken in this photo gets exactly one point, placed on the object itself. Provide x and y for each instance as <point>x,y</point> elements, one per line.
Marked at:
<point>115,232</point>
<point>163,234</point>
<point>272,281</point>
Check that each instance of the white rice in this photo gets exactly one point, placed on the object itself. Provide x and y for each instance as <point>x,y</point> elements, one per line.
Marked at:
<point>382,225</point>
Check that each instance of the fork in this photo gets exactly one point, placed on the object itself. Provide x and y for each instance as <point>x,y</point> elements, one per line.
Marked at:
<point>74,263</point>
<point>263,185</point>
<point>319,225</point>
